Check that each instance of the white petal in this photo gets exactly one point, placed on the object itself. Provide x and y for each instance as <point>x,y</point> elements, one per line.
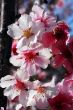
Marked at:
<point>7,81</point>
<point>31,99</point>
<point>35,38</point>
<point>18,107</point>
<point>36,84</point>
<point>31,68</point>
<point>11,93</point>
<point>21,43</point>
<point>23,98</point>
<point>38,10</point>
<point>45,52</point>
<point>14,31</point>
<point>16,60</point>
<point>25,22</point>
<point>22,74</point>
<point>33,16</point>
<point>41,61</point>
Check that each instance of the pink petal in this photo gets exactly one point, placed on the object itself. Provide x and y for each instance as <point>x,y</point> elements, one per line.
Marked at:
<point>58,60</point>
<point>41,61</point>
<point>47,39</point>
<point>23,98</point>
<point>31,68</point>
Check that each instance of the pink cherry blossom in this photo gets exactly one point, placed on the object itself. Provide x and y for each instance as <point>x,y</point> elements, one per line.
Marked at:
<point>30,60</point>
<point>39,94</point>
<point>24,29</point>
<point>42,16</point>
<point>13,86</point>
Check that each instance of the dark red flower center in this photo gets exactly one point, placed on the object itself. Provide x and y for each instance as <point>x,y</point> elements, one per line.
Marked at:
<point>60,34</point>
<point>30,56</point>
<point>20,85</point>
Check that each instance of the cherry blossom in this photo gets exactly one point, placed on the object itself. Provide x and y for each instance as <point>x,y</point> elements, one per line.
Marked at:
<point>39,42</point>
<point>42,16</point>
<point>31,59</point>
<point>13,86</point>
<point>56,36</point>
<point>39,94</point>
<point>24,29</point>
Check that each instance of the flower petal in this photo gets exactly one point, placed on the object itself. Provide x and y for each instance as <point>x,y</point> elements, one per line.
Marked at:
<point>47,39</point>
<point>21,43</point>
<point>11,93</point>
<point>22,74</point>
<point>31,68</point>
<point>7,81</point>
<point>16,60</point>
<point>42,102</point>
<point>58,61</point>
<point>14,31</point>
<point>45,52</point>
<point>25,22</point>
<point>41,61</point>
<point>31,99</point>
<point>18,107</point>
<point>23,98</point>
<point>38,10</point>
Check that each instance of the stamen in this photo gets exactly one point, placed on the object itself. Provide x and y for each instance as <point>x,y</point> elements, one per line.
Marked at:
<point>41,89</point>
<point>28,33</point>
<point>30,56</point>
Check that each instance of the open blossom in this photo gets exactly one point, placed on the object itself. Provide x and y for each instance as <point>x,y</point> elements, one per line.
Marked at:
<point>39,94</point>
<point>29,93</point>
<point>13,86</point>
<point>24,29</point>
<point>57,35</point>
<point>42,16</point>
<point>30,60</point>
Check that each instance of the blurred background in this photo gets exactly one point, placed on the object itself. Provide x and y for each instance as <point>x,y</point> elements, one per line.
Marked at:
<point>10,10</point>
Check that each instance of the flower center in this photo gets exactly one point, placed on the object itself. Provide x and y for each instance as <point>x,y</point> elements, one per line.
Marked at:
<point>44,21</point>
<point>28,33</point>
<point>60,34</point>
<point>30,56</point>
<point>20,85</point>
<point>41,89</point>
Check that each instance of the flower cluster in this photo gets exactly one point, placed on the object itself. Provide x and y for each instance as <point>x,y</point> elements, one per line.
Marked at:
<point>39,41</point>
